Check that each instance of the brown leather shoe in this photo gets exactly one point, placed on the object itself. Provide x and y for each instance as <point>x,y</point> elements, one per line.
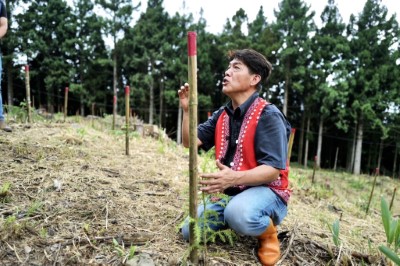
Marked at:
<point>268,246</point>
<point>4,127</point>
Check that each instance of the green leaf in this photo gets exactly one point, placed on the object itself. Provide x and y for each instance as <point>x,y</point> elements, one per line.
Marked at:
<point>390,254</point>
<point>335,232</point>
<point>386,218</point>
<point>397,237</point>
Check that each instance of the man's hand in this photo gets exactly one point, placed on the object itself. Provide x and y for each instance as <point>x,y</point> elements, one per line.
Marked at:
<point>183,93</point>
<point>219,181</point>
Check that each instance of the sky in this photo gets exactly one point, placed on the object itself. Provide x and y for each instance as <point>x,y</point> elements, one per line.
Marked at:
<point>217,11</point>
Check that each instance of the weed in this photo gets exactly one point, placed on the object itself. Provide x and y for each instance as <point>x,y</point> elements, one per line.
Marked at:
<point>86,228</point>
<point>132,251</point>
<point>12,226</point>
<point>5,190</point>
<point>161,147</point>
<point>321,192</point>
<point>120,249</point>
<point>35,207</point>
<point>134,134</point>
<point>357,183</point>
<point>43,232</point>
<point>81,132</point>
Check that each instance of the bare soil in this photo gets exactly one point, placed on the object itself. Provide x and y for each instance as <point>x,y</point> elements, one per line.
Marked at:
<point>75,198</point>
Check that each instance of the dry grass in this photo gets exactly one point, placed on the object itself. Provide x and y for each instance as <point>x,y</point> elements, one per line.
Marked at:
<point>73,190</point>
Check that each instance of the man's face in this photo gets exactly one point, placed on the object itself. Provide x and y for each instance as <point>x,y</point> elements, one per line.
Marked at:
<point>237,78</point>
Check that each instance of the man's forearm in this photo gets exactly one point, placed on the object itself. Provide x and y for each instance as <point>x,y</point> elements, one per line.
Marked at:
<point>262,174</point>
<point>3,26</point>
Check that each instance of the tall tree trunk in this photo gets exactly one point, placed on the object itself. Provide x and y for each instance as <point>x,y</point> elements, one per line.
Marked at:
<point>395,160</point>
<point>307,141</point>
<point>319,147</point>
<point>350,165</point>
<point>10,84</point>
<point>50,101</point>
<point>301,139</point>
<point>357,159</point>
<point>151,105</point>
<point>380,154</point>
<point>161,103</point>
<point>81,106</point>
<point>286,96</point>
<point>115,100</point>
<point>81,72</point>
<point>370,151</point>
<point>40,95</point>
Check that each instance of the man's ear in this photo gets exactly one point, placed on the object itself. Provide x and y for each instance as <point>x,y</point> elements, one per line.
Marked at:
<point>255,79</point>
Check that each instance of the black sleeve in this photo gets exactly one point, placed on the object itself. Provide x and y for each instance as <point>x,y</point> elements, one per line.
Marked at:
<point>3,10</point>
<point>271,138</point>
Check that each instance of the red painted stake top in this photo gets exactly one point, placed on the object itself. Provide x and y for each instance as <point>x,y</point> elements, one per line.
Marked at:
<point>293,130</point>
<point>66,89</point>
<point>315,158</point>
<point>26,68</point>
<point>127,90</point>
<point>115,99</point>
<point>192,49</point>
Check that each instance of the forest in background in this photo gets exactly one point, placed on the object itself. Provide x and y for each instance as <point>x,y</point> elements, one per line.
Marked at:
<point>338,83</point>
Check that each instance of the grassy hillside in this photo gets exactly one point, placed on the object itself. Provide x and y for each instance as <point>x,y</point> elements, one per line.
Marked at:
<point>72,197</point>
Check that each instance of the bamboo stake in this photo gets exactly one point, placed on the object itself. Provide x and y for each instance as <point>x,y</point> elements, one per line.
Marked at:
<point>193,172</point>
<point>28,93</point>
<point>65,103</point>
<point>127,120</point>
<point>393,195</point>
<point>315,167</point>
<point>372,190</point>
<point>291,139</point>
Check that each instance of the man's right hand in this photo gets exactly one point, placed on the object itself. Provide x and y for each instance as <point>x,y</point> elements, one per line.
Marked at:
<point>183,93</point>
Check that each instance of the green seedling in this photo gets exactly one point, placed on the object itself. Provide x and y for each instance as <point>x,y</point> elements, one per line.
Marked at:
<point>4,190</point>
<point>392,231</point>
<point>335,228</point>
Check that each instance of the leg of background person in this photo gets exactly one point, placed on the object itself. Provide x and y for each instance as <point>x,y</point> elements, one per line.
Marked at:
<point>1,100</point>
<point>3,125</point>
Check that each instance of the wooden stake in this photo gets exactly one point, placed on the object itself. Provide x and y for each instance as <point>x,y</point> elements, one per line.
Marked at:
<point>192,75</point>
<point>28,93</point>
<point>127,93</point>
<point>65,103</point>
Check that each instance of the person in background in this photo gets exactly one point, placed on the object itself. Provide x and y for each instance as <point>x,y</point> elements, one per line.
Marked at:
<point>3,31</point>
<point>250,138</point>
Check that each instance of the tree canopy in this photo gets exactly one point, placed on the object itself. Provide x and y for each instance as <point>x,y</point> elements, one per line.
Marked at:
<point>338,83</point>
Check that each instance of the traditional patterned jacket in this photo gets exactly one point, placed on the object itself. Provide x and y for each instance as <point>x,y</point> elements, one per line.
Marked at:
<point>244,157</point>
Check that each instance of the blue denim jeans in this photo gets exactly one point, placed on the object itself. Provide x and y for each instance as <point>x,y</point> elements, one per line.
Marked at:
<point>1,99</point>
<point>247,213</point>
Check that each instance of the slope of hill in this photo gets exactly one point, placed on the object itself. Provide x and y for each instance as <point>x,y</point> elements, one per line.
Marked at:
<point>72,197</point>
